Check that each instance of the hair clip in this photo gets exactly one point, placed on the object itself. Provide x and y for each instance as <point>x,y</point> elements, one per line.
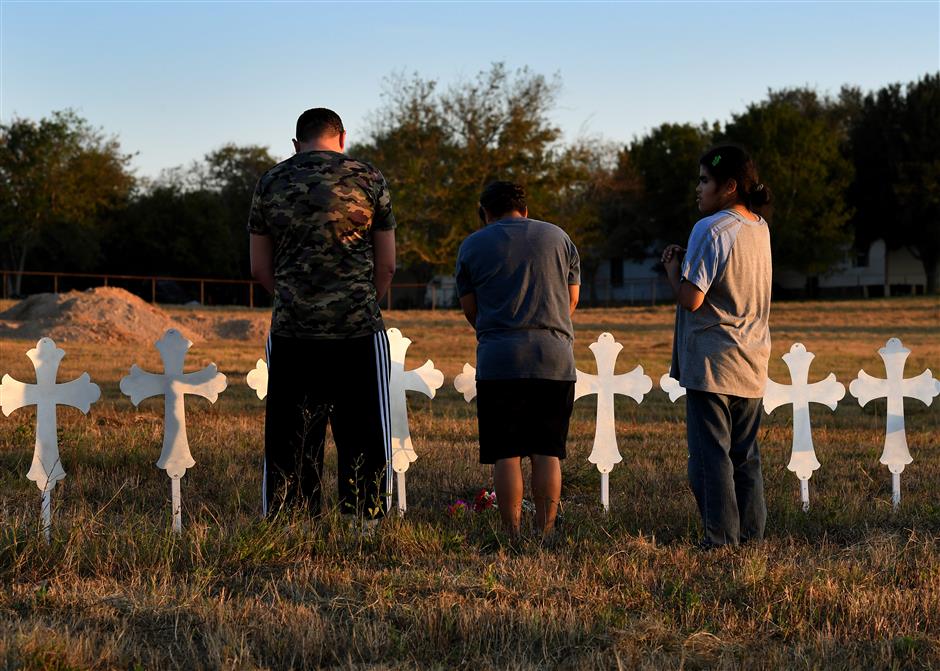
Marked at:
<point>759,187</point>
<point>716,160</point>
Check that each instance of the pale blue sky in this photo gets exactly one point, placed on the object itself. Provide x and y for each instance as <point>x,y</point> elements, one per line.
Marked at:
<point>174,80</point>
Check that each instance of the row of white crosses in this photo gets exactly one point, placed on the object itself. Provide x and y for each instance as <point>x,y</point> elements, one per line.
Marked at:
<point>46,468</point>
<point>800,393</point>
<point>173,384</point>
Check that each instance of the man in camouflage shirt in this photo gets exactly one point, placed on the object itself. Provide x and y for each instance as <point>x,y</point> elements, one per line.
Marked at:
<point>323,243</point>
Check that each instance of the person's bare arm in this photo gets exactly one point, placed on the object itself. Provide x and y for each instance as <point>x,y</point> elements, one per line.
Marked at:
<point>688,295</point>
<point>468,303</point>
<point>574,293</point>
<point>383,250</point>
<point>261,251</point>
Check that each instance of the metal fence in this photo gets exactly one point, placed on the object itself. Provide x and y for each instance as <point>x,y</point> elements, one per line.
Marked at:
<point>205,290</point>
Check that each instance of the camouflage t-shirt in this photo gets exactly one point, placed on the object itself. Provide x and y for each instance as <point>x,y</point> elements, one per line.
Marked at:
<point>320,208</point>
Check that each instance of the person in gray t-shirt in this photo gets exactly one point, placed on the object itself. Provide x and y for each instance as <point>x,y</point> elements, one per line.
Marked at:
<point>518,281</point>
<point>722,344</point>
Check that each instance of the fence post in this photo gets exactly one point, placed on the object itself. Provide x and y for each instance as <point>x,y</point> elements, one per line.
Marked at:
<point>251,294</point>
<point>55,284</point>
<point>433,297</point>
<point>153,290</point>
<point>202,292</point>
<point>105,279</point>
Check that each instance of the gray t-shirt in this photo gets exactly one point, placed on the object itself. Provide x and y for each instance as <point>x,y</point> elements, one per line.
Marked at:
<point>519,270</point>
<point>724,346</point>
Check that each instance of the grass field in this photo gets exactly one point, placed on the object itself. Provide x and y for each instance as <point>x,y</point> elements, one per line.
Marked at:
<point>850,584</point>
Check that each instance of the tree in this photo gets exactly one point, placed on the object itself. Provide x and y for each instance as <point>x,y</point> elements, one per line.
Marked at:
<point>231,173</point>
<point>799,141</point>
<point>895,148</point>
<point>169,230</point>
<point>438,149</point>
<point>57,175</point>
<point>192,221</point>
<point>663,167</point>
<point>577,198</point>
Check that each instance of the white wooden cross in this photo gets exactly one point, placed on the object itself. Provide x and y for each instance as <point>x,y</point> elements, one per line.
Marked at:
<point>257,378</point>
<point>671,386</point>
<point>174,384</point>
<point>466,382</point>
<point>800,394</point>
<point>605,384</point>
<point>46,469</point>
<point>923,387</point>
<point>427,380</point>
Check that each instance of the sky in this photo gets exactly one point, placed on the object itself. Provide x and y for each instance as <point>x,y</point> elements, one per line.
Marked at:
<point>175,80</point>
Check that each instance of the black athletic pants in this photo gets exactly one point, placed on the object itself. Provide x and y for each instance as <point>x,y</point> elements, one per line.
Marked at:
<point>312,382</point>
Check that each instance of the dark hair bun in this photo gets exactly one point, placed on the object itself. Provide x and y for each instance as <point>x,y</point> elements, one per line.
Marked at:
<point>759,196</point>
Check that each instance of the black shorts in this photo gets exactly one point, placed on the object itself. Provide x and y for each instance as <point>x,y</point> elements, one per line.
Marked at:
<point>519,418</point>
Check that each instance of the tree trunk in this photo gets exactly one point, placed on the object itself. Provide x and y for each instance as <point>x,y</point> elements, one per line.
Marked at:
<point>930,271</point>
<point>18,282</point>
<point>590,271</point>
<point>887,270</point>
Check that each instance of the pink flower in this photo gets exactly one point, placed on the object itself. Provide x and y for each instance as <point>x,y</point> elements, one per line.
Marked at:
<point>484,500</point>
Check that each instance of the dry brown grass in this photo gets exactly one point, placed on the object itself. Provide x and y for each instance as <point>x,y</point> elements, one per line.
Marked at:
<point>848,585</point>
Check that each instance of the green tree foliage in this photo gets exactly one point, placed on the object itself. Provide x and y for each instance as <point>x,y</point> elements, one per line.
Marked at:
<point>58,178</point>
<point>438,149</point>
<point>192,222</point>
<point>232,172</point>
<point>896,153</point>
<point>68,200</point>
<point>584,188</point>
<point>657,174</point>
<point>798,140</point>
<point>168,230</point>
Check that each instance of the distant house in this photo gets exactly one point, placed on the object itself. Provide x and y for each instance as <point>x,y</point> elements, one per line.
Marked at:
<point>441,292</point>
<point>621,281</point>
<point>875,272</point>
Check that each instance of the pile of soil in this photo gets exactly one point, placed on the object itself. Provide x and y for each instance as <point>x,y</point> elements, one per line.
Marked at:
<point>103,314</point>
<point>112,315</point>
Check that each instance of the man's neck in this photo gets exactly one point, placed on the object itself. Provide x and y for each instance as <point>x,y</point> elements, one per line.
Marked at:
<point>330,144</point>
<point>514,214</point>
<point>319,147</point>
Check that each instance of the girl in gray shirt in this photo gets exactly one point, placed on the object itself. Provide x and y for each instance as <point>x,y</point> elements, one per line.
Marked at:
<point>722,343</point>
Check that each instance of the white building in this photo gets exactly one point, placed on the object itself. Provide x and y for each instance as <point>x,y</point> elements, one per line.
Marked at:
<point>875,273</point>
<point>619,281</point>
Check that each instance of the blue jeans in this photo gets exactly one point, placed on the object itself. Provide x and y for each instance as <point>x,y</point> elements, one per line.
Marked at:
<point>724,466</point>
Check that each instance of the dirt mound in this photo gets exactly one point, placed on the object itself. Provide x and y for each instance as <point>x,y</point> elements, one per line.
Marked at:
<point>244,329</point>
<point>221,326</point>
<point>104,314</point>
